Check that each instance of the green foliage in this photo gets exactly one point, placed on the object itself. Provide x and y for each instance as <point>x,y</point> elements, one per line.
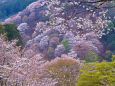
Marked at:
<point>109,40</point>
<point>113,57</point>
<point>11,32</point>
<point>108,55</point>
<point>2,29</point>
<point>11,7</point>
<point>112,45</point>
<point>111,12</point>
<point>91,56</point>
<point>3,32</point>
<point>110,25</point>
<point>97,74</point>
<point>109,37</point>
<point>65,43</point>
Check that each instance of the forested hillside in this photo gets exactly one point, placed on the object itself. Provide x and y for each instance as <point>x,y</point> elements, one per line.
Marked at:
<point>58,43</point>
<point>10,7</point>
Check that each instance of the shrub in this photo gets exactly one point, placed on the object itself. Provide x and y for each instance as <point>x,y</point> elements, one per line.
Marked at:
<point>113,57</point>
<point>65,43</point>
<point>97,74</point>
<point>91,56</point>
<point>108,55</point>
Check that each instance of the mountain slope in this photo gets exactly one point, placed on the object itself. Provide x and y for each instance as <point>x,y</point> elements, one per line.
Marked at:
<point>31,15</point>
<point>10,7</point>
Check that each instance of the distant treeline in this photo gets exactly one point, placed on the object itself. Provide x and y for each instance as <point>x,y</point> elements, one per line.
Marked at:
<point>11,7</point>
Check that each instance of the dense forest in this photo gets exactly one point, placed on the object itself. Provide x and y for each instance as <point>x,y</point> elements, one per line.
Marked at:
<point>10,7</point>
<point>57,43</point>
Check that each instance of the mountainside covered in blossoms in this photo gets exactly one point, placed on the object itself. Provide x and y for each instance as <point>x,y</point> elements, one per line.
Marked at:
<point>59,43</point>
